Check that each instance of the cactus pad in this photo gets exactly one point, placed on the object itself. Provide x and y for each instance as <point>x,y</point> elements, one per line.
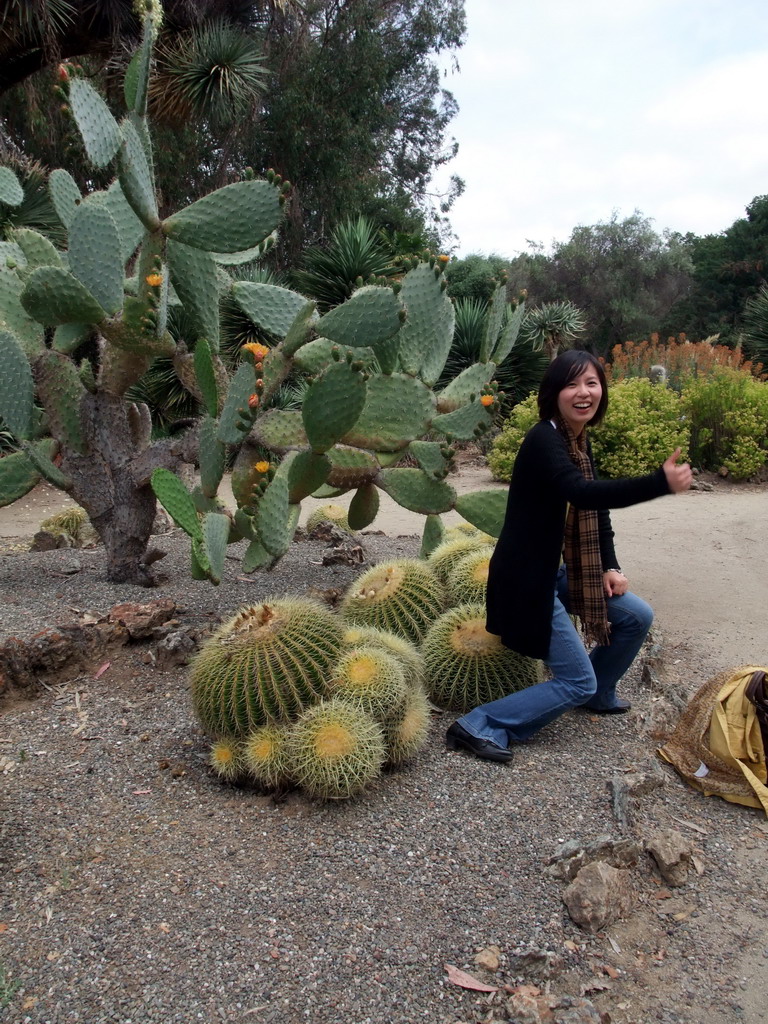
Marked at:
<point>397,410</point>
<point>332,405</point>
<point>363,507</point>
<point>54,296</point>
<point>466,666</point>
<point>370,316</point>
<point>265,665</point>
<point>17,389</point>
<point>99,130</point>
<point>416,491</point>
<point>484,509</point>
<point>11,192</point>
<point>230,219</point>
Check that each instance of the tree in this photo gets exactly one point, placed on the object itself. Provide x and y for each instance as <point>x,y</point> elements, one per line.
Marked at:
<point>342,96</point>
<point>621,273</point>
<point>729,269</point>
<point>475,276</point>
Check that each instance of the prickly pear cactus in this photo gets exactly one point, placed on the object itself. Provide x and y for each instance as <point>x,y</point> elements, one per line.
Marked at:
<point>371,364</point>
<point>466,666</point>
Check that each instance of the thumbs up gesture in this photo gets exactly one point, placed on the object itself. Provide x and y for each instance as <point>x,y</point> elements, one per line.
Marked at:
<point>678,477</point>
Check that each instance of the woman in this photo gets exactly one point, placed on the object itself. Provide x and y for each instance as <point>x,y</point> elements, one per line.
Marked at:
<point>555,558</point>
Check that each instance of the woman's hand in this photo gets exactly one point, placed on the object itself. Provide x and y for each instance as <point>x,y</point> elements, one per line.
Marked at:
<point>615,583</point>
<point>679,478</point>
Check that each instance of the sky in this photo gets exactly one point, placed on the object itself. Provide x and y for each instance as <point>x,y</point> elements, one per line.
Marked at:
<point>571,110</point>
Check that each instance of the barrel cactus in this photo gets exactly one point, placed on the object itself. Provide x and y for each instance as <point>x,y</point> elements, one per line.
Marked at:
<point>265,755</point>
<point>334,514</point>
<point>407,654</point>
<point>467,666</point>
<point>336,750</point>
<point>468,580</point>
<point>406,733</point>
<point>403,596</point>
<point>226,759</point>
<point>446,556</point>
<point>372,680</point>
<point>265,665</point>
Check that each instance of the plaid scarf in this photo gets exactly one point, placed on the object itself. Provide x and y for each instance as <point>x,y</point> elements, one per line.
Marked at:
<point>581,551</point>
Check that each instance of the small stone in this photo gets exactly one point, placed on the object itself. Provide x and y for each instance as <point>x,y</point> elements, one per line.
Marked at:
<point>672,853</point>
<point>598,896</point>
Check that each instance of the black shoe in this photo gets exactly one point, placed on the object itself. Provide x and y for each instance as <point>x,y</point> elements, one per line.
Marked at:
<point>457,738</point>
<point>621,707</point>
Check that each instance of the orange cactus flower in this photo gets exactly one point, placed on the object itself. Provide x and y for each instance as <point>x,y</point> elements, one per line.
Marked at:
<point>258,350</point>
<point>261,467</point>
<point>154,280</point>
<point>253,401</point>
<point>443,258</point>
<point>487,400</point>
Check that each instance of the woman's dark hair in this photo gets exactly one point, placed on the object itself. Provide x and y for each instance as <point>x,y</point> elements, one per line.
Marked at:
<point>566,368</point>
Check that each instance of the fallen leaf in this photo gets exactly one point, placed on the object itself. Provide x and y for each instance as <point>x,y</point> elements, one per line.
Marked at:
<point>464,980</point>
<point>100,671</point>
<point>663,894</point>
<point>141,792</point>
<point>690,824</point>
<point>614,944</point>
<point>29,1003</point>
<point>570,946</point>
<point>611,971</point>
<point>698,864</point>
<point>164,927</point>
<point>3,926</point>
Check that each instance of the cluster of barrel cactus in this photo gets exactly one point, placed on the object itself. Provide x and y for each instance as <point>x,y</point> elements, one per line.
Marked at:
<point>79,327</point>
<point>295,696</point>
<point>298,695</point>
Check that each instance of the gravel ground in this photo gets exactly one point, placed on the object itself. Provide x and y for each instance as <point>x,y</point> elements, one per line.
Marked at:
<point>136,888</point>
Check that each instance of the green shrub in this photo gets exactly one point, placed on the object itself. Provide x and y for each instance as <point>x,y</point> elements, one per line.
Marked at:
<point>643,425</point>
<point>502,456</point>
<point>728,412</point>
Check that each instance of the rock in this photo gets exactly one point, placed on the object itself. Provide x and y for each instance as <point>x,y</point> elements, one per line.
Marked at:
<point>598,896</point>
<point>344,554</point>
<point>672,853</point>
<point>175,649</point>
<point>626,789</point>
<point>162,522</point>
<point>538,964</point>
<point>141,619</point>
<point>488,958</point>
<point>44,541</point>
<point>573,1010</point>
<point>569,858</point>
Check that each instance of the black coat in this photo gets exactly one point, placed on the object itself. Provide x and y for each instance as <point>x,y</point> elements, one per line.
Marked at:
<point>521,578</point>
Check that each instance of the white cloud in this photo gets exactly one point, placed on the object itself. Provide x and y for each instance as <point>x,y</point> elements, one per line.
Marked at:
<point>571,111</point>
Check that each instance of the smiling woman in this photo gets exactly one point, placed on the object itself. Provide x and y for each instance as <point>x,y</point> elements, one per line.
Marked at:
<point>555,559</point>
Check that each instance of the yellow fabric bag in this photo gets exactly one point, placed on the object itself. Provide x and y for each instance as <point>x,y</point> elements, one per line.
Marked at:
<point>719,744</point>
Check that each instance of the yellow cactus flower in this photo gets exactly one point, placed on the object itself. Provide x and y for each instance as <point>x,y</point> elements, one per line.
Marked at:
<point>258,350</point>
<point>487,400</point>
<point>262,467</point>
<point>154,280</point>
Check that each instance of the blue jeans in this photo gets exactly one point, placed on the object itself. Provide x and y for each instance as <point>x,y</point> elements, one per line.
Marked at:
<point>577,678</point>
